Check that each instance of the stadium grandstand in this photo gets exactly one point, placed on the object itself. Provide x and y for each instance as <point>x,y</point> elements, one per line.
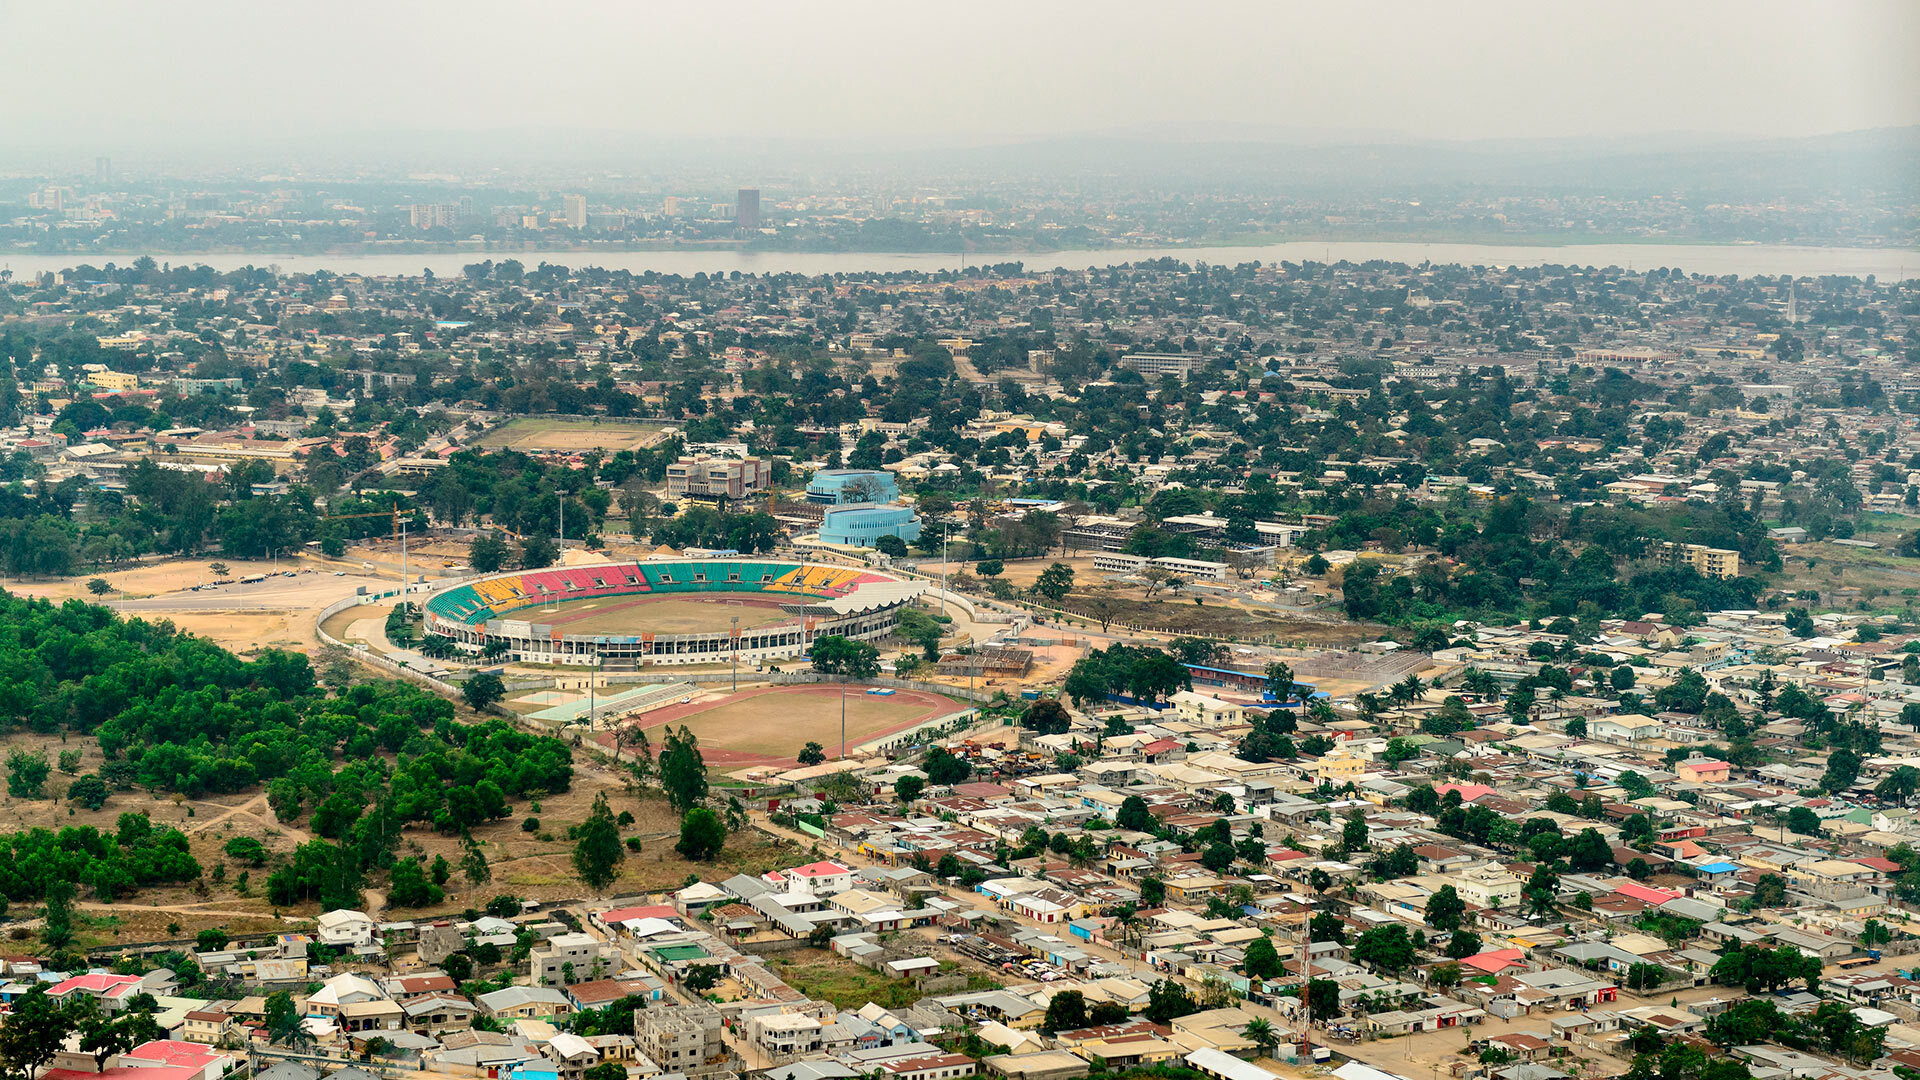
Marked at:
<point>684,611</point>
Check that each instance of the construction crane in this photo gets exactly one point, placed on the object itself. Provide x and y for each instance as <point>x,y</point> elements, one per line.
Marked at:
<point>399,536</point>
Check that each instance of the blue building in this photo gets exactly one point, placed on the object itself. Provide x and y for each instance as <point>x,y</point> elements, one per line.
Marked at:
<point>860,524</point>
<point>837,487</point>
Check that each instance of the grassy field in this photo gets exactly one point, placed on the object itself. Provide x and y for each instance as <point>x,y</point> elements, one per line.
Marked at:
<point>530,435</point>
<point>1213,617</point>
<point>659,615</point>
<point>824,976</point>
<point>1846,576</point>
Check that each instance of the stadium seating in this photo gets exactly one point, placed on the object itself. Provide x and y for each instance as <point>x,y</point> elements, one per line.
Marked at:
<point>490,598</point>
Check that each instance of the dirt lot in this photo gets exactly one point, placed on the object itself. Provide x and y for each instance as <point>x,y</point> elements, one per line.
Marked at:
<point>247,633</point>
<point>528,866</point>
<point>1214,615</point>
<point>530,435</point>
<point>148,579</point>
<point>275,613</point>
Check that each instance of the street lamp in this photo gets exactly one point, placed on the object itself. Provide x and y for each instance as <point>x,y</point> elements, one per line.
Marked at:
<point>736,654</point>
<point>843,716</point>
<point>945,529</point>
<point>593,683</point>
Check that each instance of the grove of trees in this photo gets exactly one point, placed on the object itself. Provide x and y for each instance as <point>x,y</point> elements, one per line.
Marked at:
<point>175,713</point>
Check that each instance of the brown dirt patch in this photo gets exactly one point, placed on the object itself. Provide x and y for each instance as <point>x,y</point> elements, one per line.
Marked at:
<point>150,579</point>
<point>531,434</point>
<point>247,632</point>
<point>774,723</point>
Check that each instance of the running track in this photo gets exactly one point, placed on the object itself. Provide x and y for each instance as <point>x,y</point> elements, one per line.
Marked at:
<point>934,705</point>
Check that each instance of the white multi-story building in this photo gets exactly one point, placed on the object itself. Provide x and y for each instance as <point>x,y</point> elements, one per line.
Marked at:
<point>1625,728</point>
<point>1119,562</point>
<point>1151,364</point>
<point>346,927</point>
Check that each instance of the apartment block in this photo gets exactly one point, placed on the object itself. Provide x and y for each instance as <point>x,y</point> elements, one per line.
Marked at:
<point>1709,561</point>
<point>681,1038</point>
<point>1152,364</point>
<point>718,477</point>
<point>570,958</point>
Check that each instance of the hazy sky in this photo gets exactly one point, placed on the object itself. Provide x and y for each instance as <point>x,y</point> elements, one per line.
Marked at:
<point>85,74</point>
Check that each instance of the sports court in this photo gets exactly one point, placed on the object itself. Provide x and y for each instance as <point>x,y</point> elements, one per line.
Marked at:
<point>548,697</point>
<point>769,725</point>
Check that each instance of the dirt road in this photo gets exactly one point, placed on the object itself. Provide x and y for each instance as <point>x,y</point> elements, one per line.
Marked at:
<point>254,810</point>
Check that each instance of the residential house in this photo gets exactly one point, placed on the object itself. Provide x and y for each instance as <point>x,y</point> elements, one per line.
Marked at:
<point>525,1003</point>
<point>569,958</point>
<point>346,928</point>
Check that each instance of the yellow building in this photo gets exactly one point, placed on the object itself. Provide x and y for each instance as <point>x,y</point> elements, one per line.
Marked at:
<point>1711,562</point>
<point>1488,887</point>
<point>1128,1051</point>
<point>1340,767</point>
<point>115,380</point>
<point>1192,886</point>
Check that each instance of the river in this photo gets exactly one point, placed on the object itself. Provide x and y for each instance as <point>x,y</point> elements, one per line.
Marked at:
<point>1746,260</point>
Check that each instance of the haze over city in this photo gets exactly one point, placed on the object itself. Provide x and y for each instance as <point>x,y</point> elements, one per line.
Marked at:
<point>238,76</point>
<point>1061,541</point>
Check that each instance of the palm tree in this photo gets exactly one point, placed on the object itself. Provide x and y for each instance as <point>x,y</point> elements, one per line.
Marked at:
<point>1131,930</point>
<point>1262,1033</point>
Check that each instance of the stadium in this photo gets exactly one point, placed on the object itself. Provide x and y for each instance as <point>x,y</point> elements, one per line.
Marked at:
<point>678,611</point>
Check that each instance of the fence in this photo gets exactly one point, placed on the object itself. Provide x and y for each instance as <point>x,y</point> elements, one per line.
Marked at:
<point>368,656</point>
<point>772,946</point>
<point>373,659</point>
<point>382,1066</point>
<point>122,948</point>
<point>776,678</point>
<point>925,731</point>
<point>790,678</point>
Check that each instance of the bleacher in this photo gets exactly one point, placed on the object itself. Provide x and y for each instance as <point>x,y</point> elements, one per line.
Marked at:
<point>493,597</point>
